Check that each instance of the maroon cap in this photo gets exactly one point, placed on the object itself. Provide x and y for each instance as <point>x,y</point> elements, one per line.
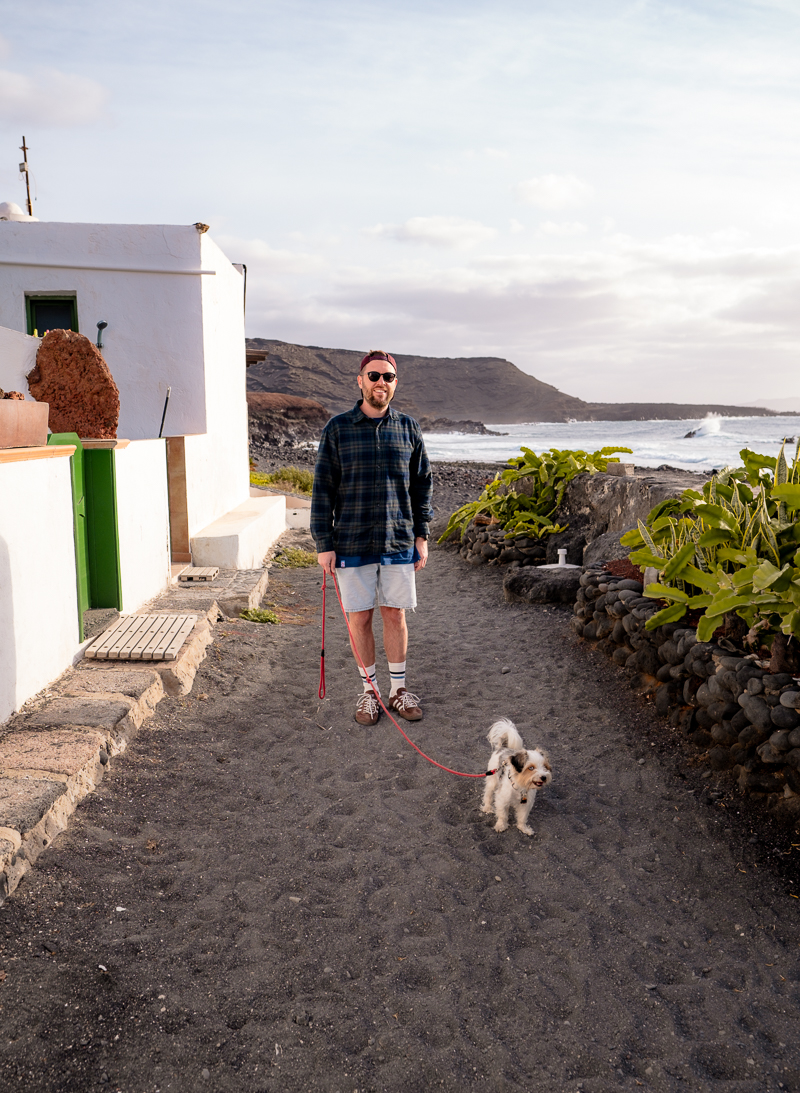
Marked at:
<point>377,355</point>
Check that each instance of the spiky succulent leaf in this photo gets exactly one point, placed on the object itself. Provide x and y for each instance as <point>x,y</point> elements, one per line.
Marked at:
<point>648,540</point>
<point>781,469</point>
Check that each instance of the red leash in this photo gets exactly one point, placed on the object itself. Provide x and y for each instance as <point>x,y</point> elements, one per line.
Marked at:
<point>321,692</point>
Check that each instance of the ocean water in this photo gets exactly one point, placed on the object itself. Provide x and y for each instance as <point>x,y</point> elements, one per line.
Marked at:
<point>716,443</point>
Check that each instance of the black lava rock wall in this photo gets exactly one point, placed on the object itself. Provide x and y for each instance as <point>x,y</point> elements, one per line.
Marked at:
<point>744,718</point>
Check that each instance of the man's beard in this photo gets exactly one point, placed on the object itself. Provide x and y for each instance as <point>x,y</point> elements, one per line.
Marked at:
<point>378,404</point>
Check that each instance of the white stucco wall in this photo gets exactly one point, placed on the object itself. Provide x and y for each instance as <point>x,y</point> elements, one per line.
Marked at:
<point>143,519</point>
<point>17,358</point>
<point>154,334</point>
<point>184,331</point>
<point>217,470</point>
<point>38,597</point>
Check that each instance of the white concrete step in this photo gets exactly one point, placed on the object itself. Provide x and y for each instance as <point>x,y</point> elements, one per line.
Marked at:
<point>241,538</point>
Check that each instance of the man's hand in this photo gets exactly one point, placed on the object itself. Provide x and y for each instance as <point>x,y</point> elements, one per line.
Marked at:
<point>327,559</point>
<point>422,550</point>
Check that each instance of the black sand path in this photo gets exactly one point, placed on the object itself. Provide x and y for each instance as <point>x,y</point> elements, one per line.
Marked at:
<point>264,896</point>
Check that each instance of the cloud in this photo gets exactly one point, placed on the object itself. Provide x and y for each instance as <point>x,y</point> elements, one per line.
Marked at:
<point>554,192</point>
<point>50,98</point>
<point>773,308</point>
<point>436,231</point>
<point>262,259</point>
<point>550,227</point>
<point>679,316</point>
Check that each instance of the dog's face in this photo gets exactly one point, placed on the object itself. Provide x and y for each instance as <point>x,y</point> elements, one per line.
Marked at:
<point>533,769</point>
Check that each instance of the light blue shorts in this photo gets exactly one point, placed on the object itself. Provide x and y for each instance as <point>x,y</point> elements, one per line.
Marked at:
<point>364,586</point>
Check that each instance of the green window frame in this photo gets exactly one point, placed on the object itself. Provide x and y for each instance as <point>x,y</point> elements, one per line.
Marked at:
<point>33,299</point>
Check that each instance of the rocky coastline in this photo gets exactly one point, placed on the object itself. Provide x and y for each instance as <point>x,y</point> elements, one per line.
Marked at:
<point>286,429</point>
<point>446,425</point>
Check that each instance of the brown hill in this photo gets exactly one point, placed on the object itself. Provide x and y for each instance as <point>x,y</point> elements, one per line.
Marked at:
<point>487,389</point>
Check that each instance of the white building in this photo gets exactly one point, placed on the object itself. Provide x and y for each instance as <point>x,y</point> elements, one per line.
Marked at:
<point>174,309</point>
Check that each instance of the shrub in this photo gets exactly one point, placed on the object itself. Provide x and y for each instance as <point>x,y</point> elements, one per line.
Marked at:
<point>259,614</point>
<point>733,547</point>
<point>294,558</point>
<point>289,479</point>
<point>531,513</point>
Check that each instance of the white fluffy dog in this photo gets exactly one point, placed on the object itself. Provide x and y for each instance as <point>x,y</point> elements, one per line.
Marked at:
<point>519,772</point>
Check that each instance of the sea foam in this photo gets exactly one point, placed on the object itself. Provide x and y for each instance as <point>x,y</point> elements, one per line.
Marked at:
<point>716,443</point>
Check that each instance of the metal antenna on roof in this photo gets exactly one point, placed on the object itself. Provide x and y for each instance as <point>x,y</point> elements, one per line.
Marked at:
<point>23,167</point>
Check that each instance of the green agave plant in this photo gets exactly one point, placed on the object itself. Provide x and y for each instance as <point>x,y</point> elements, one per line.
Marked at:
<point>531,514</point>
<point>733,547</point>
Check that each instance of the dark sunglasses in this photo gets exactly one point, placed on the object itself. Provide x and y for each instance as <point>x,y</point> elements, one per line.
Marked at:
<point>373,377</point>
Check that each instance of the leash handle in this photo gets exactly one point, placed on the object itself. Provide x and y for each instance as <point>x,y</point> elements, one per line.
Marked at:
<point>458,773</point>
<point>321,691</point>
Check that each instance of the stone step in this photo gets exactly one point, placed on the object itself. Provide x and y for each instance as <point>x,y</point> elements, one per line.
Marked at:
<point>55,756</point>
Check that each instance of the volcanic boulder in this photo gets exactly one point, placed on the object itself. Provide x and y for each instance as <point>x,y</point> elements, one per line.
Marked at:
<point>72,376</point>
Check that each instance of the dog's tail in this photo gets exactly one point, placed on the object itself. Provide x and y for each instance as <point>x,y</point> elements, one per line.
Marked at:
<point>503,734</point>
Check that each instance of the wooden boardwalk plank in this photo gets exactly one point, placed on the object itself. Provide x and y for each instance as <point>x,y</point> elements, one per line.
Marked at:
<point>158,637</point>
<point>161,641</point>
<point>147,635</point>
<point>124,626</point>
<point>199,573</point>
<point>180,636</point>
<point>142,637</point>
<point>122,641</point>
<point>101,645</point>
<point>122,649</point>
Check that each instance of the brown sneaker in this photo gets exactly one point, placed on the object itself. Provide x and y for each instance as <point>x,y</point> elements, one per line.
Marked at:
<point>406,704</point>
<point>367,709</point>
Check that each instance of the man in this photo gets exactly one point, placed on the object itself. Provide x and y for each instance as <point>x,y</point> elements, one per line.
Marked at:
<point>370,511</point>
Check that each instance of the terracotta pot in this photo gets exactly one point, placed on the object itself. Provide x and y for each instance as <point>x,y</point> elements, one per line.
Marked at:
<point>23,424</point>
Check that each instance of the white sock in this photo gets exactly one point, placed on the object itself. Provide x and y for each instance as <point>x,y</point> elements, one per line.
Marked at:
<point>368,678</point>
<point>397,673</point>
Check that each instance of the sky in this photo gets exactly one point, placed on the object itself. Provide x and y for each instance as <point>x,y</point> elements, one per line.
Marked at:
<point>606,193</point>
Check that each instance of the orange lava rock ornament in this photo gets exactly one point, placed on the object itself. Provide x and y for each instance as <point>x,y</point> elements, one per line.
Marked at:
<point>72,376</point>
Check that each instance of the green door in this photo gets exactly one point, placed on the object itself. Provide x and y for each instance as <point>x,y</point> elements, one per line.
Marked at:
<point>105,583</point>
<point>79,521</point>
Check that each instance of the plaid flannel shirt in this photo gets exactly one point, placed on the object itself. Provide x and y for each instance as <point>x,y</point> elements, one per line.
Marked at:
<point>372,484</point>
